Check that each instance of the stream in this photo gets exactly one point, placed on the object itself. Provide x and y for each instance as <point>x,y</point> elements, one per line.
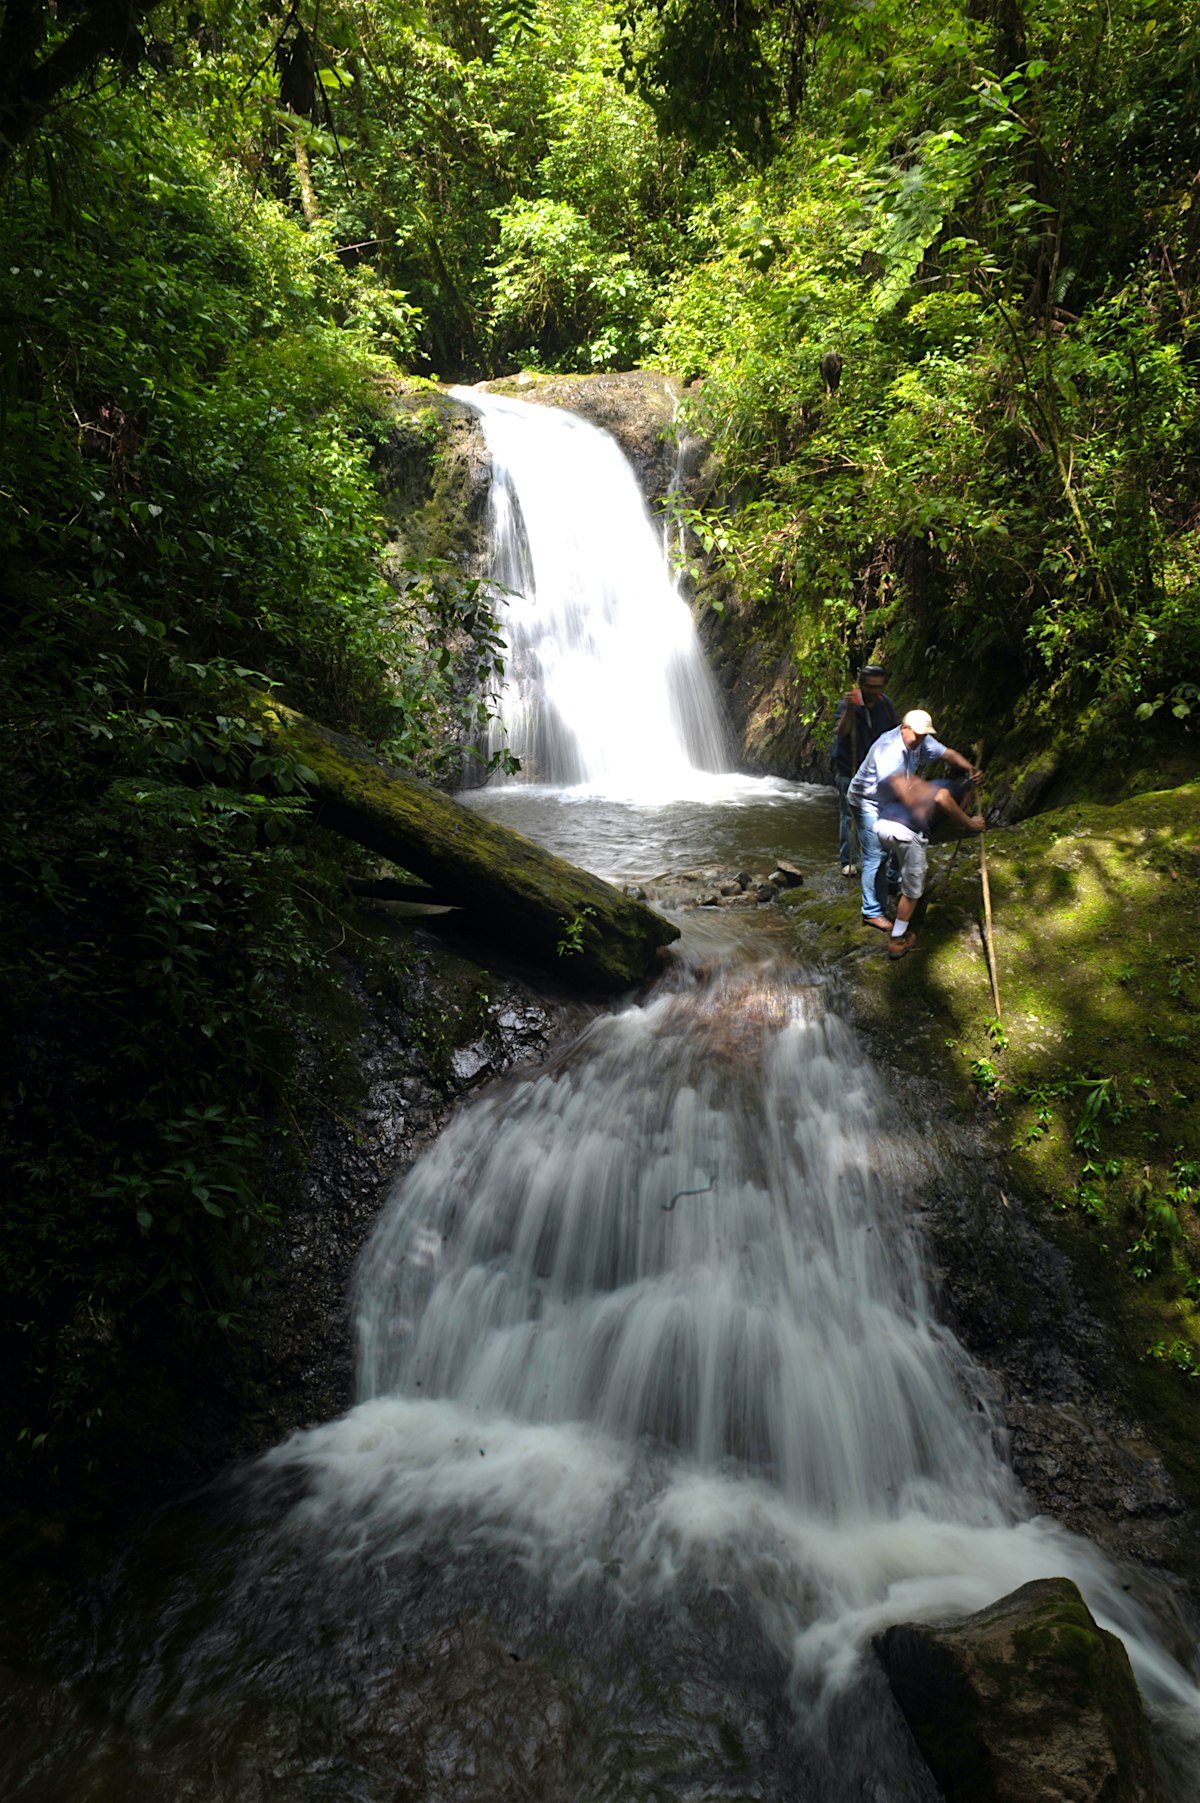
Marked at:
<point>656,1424</point>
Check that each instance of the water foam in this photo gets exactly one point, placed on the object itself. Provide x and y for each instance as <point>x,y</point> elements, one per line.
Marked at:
<point>659,1311</point>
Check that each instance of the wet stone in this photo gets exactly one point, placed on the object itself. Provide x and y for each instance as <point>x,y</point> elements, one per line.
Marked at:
<point>1027,1701</point>
<point>471,1063</point>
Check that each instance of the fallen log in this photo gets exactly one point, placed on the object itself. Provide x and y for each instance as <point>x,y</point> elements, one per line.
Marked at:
<point>537,906</point>
<point>389,889</point>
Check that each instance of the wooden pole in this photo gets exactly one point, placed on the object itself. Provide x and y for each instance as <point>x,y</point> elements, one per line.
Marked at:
<point>989,947</point>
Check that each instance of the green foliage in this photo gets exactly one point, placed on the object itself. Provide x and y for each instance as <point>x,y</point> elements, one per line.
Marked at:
<point>447,671</point>
<point>485,173</point>
<point>1178,1353</point>
<point>986,1077</point>
<point>1163,1221</point>
<point>563,294</point>
<point>188,506</point>
<point>152,944</point>
<point>571,943</point>
<point>720,72</point>
<point>1018,388</point>
<point>1102,1102</point>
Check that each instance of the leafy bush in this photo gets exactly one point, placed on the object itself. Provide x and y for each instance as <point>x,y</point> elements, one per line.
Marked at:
<point>188,509</point>
<point>996,479</point>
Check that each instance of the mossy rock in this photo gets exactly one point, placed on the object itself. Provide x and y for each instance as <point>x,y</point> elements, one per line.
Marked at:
<point>433,477</point>
<point>1028,1701</point>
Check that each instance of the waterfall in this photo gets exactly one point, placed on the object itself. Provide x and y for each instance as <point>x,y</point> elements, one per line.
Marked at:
<point>606,685</point>
<point>659,1310</point>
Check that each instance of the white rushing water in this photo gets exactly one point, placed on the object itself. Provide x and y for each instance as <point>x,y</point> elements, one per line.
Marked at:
<point>659,1311</point>
<point>606,685</point>
<point>685,1252</point>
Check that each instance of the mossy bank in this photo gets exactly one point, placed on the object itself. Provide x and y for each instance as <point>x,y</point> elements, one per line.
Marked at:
<point>1073,1267</point>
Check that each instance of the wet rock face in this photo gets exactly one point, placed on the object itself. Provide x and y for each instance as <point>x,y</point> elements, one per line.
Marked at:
<point>433,474</point>
<point>752,659</point>
<point>1026,1702</point>
<point>471,1721</point>
<point>637,407</point>
<point>447,1030</point>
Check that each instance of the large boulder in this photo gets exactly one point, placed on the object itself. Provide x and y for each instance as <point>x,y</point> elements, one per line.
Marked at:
<point>1029,1701</point>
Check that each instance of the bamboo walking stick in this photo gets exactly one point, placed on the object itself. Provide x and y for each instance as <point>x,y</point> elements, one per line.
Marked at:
<point>989,947</point>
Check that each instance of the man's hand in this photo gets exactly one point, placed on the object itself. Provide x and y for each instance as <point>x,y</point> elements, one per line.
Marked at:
<point>964,764</point>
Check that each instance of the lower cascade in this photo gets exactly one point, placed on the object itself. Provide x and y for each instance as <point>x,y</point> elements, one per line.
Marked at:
<point>657,1430</point>
<point>657,1313</point>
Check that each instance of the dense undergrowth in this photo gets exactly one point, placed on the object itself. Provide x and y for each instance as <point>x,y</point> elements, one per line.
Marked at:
<point>989,221</point>
<point>189,508</point>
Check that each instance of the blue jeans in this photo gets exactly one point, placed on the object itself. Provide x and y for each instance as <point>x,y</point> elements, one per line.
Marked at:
<point>846,836</point>
<point>873,861</point>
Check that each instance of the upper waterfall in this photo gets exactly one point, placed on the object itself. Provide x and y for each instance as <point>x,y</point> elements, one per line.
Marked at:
<point>606,685</point>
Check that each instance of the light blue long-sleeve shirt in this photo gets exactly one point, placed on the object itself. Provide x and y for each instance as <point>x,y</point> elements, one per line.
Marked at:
<point>889,756</point>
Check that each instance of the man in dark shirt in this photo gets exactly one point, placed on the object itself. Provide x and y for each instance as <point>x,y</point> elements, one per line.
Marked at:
<point>863,713</point>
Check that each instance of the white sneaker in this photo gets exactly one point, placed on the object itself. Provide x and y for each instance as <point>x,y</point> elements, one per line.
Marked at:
<point>849,869</point>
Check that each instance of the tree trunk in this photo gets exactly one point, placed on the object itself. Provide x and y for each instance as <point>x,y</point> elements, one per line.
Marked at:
<point>535,905</point>
<point>308,193</point>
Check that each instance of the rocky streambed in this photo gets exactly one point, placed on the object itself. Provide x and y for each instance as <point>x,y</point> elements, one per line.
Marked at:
<point>441,1028</point>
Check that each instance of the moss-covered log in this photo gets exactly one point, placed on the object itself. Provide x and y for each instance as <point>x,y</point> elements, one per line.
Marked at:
<point>536,905</point>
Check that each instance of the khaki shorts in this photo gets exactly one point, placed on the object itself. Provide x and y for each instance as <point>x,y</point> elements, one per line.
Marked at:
<point>909,848</point>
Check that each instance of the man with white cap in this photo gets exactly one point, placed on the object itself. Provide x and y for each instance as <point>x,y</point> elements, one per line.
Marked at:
<point>907,806</point>
<point>895,753</point>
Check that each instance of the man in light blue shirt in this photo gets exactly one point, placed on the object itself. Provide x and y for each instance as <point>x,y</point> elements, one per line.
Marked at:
<point>895,753</point>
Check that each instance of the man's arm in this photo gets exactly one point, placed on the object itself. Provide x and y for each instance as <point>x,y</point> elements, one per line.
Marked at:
<point>973,822</point>
<point>961,763</point>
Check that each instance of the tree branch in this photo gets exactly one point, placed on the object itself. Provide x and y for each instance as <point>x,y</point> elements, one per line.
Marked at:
<point>30,81</point>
